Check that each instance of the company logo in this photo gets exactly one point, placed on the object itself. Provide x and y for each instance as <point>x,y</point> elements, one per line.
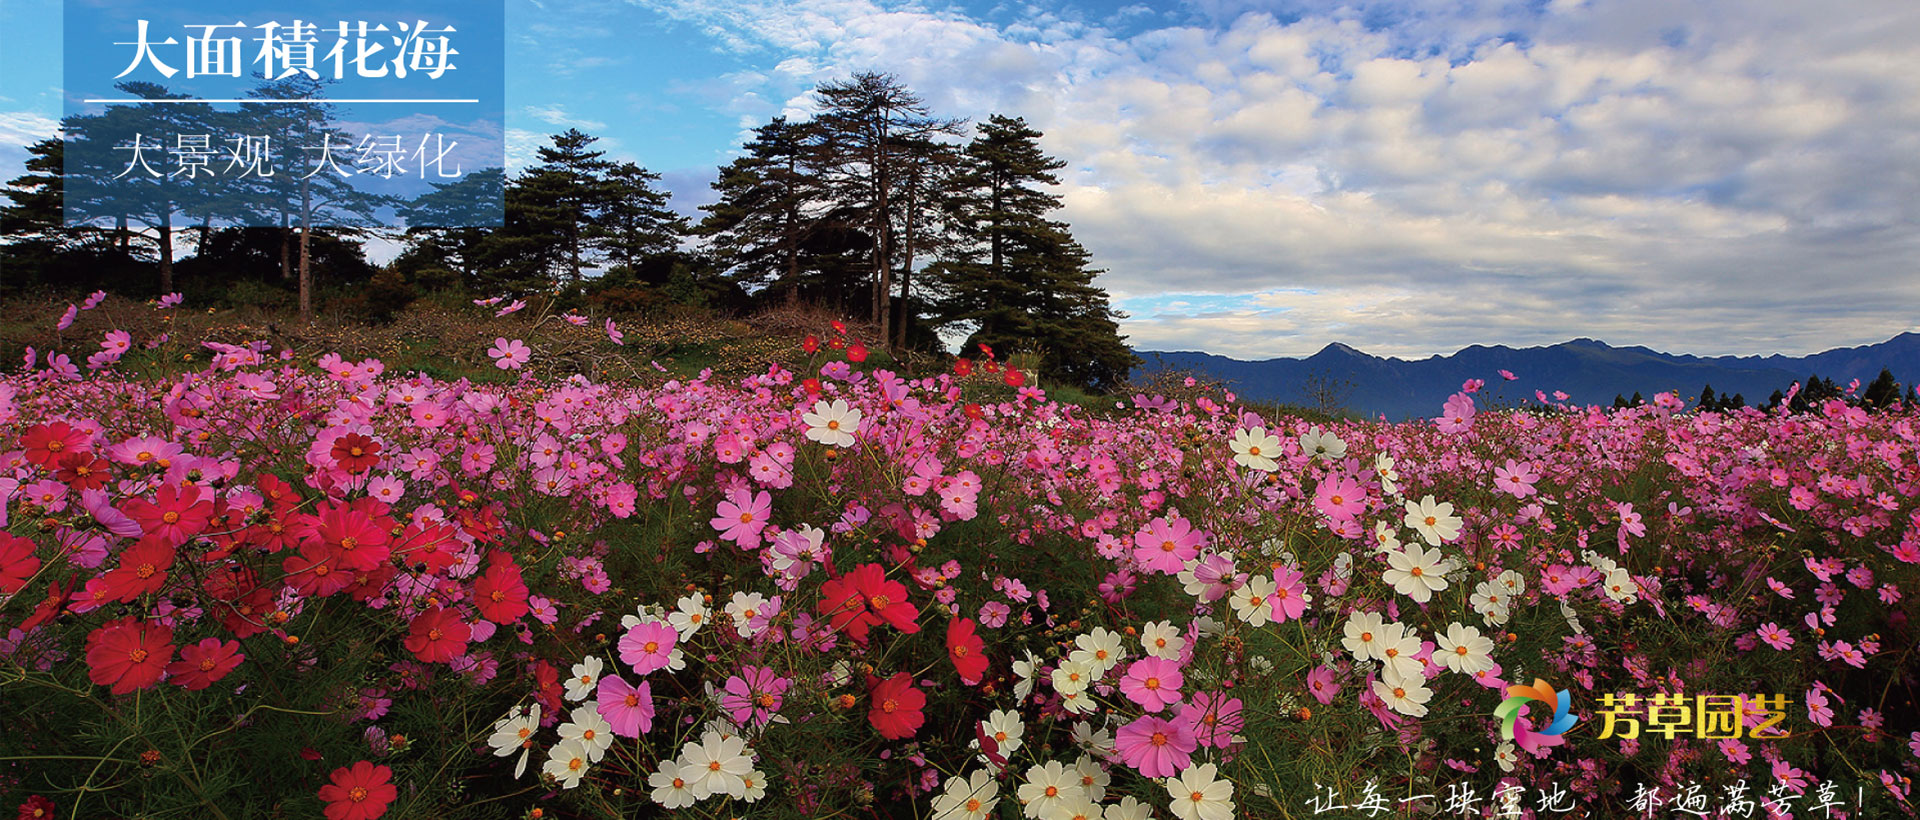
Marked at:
<point>1517,696</point>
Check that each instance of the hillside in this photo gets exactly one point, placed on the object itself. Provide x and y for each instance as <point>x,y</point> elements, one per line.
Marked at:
<point>1590,371</point>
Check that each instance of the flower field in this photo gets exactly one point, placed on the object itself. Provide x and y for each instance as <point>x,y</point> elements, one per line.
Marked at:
<point>288,587</point>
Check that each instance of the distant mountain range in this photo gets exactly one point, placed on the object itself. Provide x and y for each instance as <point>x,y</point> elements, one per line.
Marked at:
<point>1591,372</point>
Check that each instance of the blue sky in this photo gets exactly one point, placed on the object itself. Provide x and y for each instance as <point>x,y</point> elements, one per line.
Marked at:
<point>1262,178</point>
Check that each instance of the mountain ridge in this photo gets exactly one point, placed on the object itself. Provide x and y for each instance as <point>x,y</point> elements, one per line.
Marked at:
<point>1589,370</point>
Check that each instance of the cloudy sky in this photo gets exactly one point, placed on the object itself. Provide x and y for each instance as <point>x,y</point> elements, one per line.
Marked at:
<point>1262,177</point>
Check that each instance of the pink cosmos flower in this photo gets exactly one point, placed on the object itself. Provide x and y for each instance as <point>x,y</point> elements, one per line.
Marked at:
<point>1155,746</point>
<point>509,354</point>
<point>1164,546</point>
<point>1153,683</point>
<point>646,647</point>
<point>754,696</point>
<point>1289,601</point>
<point>511,308</point>
<point>1340,498</point>
<point>1775,636</point>
<point>1818,709</point>
<point>1212,717</point>
<point>1322,684</point>
<point>629,708</point>
<point>742,515</point>
<point>614,333</point>
<point>1516,478</point>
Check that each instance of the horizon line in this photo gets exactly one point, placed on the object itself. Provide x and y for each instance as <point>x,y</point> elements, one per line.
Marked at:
<point>270,101</point>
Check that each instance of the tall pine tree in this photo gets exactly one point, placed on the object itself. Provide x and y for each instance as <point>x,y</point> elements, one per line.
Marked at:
<point>1018,279</point>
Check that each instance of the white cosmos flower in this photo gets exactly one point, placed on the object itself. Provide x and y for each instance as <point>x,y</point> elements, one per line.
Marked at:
<point>515,733</point>
<point>1073,676</point>
<point>1383,467</point>
<point>1398,647</point>
<point>1197,795</point>
<point>1416,572</point>
<point>1364,634</point>
<point>1093,778</point>
<point>968,798</point>
<point>691,614</point>
<point>1161,640</point>
<point>1129,808</point>
<point>1050,787</point>
<point>1322,445</point>
<point>1503,754</point>
<point>756,786</point>
<point>718,765</point>
<point>586,676</point>
<point>1620,586</point>
<point>671,786</point>
<point>1023,671</point>
<point>1099,649</point>
<point>1253,601</point>
<point>568,762</point>
<point>1435,522</point>
<point>1098,741</point>
<point>1005,728</point>
<point>1463,649</point>
<point>1255,449</point>
<point>832,424</point>
<point>1406,696</point>
<point>593,731</point>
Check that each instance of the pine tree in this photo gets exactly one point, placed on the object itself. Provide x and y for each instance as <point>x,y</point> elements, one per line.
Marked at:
<point>1017,278</point>
<point>867,125</point>
<point>560,200</point>
<point>633,224</point>
<point>1708,401</point>
<point>1883,392</point>
<point>773,213</point>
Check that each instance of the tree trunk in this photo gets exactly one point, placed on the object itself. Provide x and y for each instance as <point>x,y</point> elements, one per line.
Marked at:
<point>306,271</point>
<point>166,248</point>
<point>286,249</point>
<point>906,273</point>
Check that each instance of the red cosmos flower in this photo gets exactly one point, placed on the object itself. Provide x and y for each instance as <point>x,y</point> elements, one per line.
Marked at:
<point>46,443</point>
<point>1015,378</point>
<point>239,599</point>
<point>128,654</point>
<point>963,367</point>
<point>314,572</point>
<point>51,606</point>
<point>811,344</point>
<point>438,635</point>
<point>356,534</point>
<point>205,662</point>
<point>82,470</point>
<point>500,594</point>
<point>360,792</point>
<point>812,386</point>
<point>966,650</point>
<point>421,547</point>
<point>547,689</point>
<point>973,411</point>
<point>864,598</point>
<point>143,569</point>
<point>277,493</point>
<point>17,563</point>
<point>987,351</point>
<point>856,352</point>
<point>895,712</point>
<point>37,807</point>
<point>175,514</point>
<point>838,326</point>
<point>356,453</point>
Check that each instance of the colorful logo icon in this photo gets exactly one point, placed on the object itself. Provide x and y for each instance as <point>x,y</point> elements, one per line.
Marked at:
<point>1517,696</point>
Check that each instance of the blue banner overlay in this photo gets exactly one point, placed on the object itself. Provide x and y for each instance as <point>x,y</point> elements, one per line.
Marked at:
<point>250,114</point>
